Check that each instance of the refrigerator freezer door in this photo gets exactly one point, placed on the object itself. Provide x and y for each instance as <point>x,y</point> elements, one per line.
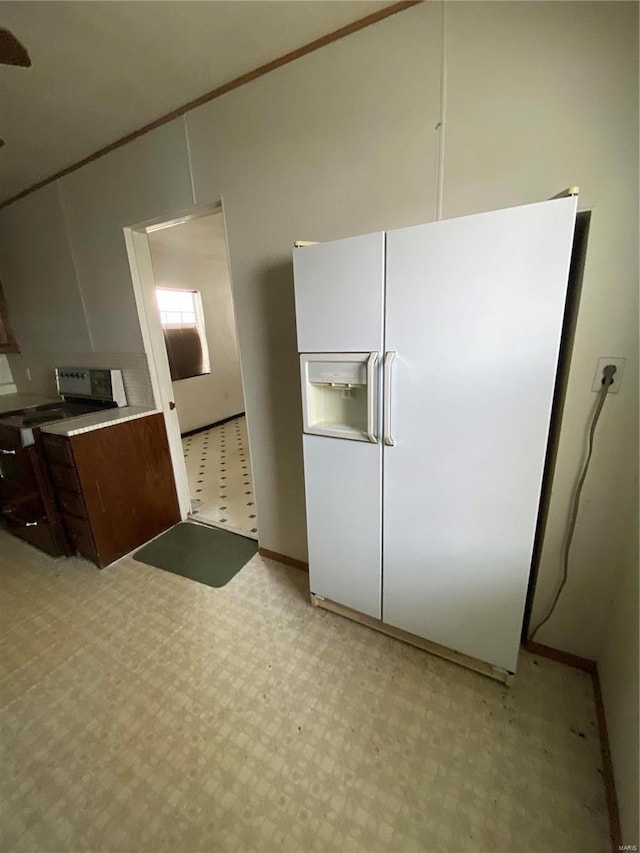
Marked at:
<point>344,521</point>
<point>474,310</point>
<point>339,289</point>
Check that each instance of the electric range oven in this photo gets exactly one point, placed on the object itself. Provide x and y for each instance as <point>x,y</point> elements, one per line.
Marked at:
<point>27,506</point>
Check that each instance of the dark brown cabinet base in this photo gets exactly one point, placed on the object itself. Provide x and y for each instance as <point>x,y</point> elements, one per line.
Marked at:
<point>114,486</point>
<point>27,505</point>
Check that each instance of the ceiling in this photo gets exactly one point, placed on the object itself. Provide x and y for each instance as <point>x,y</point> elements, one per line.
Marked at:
<point>104,69</point>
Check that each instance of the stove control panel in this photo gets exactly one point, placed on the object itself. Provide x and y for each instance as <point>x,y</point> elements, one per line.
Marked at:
<point>91,383</point>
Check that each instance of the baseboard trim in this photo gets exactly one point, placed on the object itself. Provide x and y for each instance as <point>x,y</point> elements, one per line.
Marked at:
<point>615,831</point>
<point>282,558</point>
<point>590,666</point>
<point>211,426</point>
<point>562,657</point>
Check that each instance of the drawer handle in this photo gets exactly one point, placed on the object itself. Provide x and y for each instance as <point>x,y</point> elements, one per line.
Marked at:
<point>19,522</point>
<point>7,452</point>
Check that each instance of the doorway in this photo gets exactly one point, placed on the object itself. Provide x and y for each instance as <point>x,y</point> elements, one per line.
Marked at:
<point>184,280</point>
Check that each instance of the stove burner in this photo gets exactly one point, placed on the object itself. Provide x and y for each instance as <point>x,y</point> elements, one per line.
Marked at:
<point>44,418</point>
<point>25,421</point>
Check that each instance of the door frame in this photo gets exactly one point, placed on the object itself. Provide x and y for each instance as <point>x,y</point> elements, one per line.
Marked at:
<point>143,279</point>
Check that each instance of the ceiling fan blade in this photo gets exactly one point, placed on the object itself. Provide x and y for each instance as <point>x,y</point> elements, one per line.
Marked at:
<point>11,51</point>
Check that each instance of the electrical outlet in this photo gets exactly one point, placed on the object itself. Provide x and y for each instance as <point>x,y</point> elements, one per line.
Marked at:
<point>617,376</point>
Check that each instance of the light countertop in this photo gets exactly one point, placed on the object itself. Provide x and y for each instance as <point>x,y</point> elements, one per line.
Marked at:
<point>98,420</point>
<point>19,400</point>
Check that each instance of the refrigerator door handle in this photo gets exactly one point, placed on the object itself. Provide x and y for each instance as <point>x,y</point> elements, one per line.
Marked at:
<point>372,397</point>
<point>388,362</point>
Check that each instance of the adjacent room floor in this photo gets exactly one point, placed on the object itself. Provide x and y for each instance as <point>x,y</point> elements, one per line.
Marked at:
<point>142,711</point>
<point>219,472</point>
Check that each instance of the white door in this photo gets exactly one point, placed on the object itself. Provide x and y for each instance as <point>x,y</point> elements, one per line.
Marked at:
<point>339,288</point>
<point>474,312</point>
<point>143,279</point>
<point>343,491</point>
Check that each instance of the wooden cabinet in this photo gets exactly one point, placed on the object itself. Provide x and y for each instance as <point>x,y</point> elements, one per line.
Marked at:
<point>114,486</point>
<point>27,506</point>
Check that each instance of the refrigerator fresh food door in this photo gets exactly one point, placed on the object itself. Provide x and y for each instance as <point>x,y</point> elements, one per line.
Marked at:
<point>339,395</point>
<point>474,314</point>
<point>339,291</point>
<point>343,488</point>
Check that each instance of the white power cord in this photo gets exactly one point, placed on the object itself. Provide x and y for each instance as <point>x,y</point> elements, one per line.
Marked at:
<point>607,380</point>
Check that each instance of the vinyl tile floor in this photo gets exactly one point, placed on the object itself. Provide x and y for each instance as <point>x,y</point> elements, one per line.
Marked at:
<point>219,472</point>
<point>142,711</point>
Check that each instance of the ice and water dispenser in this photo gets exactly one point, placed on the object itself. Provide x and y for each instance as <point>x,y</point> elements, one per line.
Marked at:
<point>339,394</point>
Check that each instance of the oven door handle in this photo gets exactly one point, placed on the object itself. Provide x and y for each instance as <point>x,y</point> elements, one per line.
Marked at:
<point>8,513</point>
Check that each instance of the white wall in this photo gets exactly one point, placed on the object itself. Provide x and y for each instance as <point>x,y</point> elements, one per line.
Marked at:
<point>146,179</point>
<point>41,288</point>
<point>193,256</point>
<point>619,677</point>
<point>63,310</point>
<point>341,142</point>
<point>38,277</point>
<point>7,385</point>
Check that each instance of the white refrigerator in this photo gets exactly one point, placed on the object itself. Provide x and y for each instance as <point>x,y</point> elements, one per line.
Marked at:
<point>428,362</point>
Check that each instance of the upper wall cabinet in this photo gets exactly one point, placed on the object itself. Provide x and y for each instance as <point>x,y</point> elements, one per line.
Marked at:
<point>8,342</point>
<point>146,179</point>
<point>38,276</point>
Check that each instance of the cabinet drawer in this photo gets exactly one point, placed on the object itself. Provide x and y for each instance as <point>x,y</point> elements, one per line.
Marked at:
<point>10,438</point>
<point>72,503</point>
<point>57,449</point>
<point>65,478</point>
<point>80,535</point>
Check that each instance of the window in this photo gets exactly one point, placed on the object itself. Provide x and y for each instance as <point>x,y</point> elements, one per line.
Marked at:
<point>184,333</point>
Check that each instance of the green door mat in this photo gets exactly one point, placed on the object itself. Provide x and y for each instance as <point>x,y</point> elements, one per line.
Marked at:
<point>204,554</point>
